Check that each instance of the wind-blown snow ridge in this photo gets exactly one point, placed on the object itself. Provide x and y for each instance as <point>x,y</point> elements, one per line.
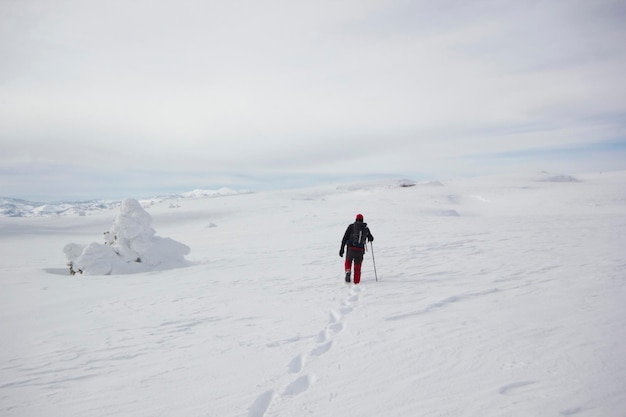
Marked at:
<point>443,303</point>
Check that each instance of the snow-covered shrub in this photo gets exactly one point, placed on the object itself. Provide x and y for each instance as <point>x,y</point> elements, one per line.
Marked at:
<point>131,246</point>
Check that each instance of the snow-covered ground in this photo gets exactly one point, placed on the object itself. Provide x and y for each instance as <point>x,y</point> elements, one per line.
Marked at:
<point>500,296</point>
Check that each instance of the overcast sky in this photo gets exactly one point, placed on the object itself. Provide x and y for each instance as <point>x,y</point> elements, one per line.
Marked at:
<point>116,99</point>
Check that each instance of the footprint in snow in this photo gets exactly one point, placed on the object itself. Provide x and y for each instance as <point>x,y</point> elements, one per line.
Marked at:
<point>297,364</point>
<point>321,349</point>
<point>336,327</point>
<point>322,337</point>
<point>261,404</point>
<point>299,386</point>
<point>345,309</point>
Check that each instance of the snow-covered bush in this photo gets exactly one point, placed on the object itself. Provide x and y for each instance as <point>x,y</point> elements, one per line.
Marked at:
<point>131,246</point>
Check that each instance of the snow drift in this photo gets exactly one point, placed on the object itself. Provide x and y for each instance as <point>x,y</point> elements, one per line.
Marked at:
<point>131,246</point>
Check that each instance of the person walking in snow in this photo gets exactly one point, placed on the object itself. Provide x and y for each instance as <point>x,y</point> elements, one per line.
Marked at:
<point>356,236</point>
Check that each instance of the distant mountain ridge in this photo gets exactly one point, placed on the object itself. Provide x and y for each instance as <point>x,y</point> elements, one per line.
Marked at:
<point>15,207</point>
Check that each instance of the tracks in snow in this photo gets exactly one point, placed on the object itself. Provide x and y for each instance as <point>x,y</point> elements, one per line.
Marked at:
<point>299,379</point>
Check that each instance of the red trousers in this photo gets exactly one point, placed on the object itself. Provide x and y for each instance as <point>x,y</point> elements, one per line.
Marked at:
<point>357,268</point>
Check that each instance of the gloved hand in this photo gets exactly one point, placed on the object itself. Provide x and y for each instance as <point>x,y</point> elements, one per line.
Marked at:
<point>370,238</point>
<point>341,253</point>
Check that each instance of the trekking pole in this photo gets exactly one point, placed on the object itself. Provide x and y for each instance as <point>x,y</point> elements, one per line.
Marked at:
<point>374,260</point>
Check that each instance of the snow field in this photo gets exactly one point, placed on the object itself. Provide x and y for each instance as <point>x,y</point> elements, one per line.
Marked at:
<point>511,307</point>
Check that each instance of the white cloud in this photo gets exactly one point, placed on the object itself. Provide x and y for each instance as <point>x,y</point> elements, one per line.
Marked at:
<point>314,87</point>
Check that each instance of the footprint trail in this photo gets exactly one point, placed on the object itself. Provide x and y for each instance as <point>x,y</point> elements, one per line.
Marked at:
<point>297,366</point>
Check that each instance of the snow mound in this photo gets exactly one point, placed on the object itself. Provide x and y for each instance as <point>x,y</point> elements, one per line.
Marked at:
<point>131,246</point>
<point>406,183</point>
<point>558,178</point>
<point>378,185</point>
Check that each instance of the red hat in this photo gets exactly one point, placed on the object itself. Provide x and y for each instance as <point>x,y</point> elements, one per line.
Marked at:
<point>359,217</point>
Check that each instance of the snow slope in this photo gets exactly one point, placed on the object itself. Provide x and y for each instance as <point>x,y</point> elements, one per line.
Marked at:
<point>496,296</point>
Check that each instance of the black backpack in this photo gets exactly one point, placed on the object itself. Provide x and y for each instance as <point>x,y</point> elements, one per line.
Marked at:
<point>359,234</point>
